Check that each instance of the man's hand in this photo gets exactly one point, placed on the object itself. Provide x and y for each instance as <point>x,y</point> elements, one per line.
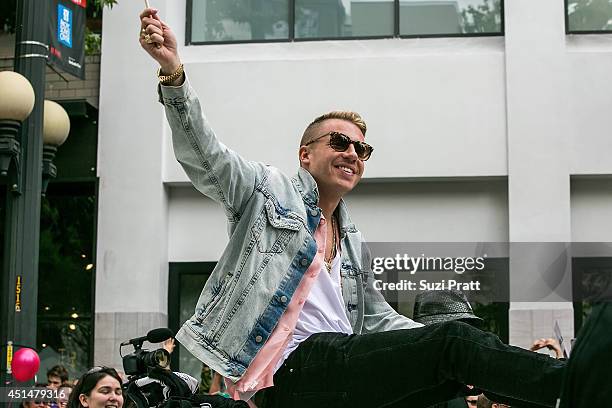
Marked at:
<point>169,345</point>
<point>157,39</point>
<point>550,344</point>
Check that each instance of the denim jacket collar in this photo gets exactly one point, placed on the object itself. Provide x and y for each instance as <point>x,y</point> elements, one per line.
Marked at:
<point>307,186</point>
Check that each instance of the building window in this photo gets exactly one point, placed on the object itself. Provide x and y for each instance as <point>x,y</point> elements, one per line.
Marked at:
<point>239,20</point>
<point>320,19</point>
<point>448,18</point>
<point>588,16</point>
<point>66,276</point>
<point>185,283</point>
<point>231,21</point>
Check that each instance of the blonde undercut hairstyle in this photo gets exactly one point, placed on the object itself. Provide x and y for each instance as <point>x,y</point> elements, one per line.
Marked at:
<point>312,130</point>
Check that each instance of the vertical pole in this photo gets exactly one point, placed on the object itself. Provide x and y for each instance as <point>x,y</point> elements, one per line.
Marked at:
<point>23,205</point>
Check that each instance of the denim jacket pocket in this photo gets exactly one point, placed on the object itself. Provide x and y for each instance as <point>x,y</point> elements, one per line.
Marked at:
<point>274,228</point>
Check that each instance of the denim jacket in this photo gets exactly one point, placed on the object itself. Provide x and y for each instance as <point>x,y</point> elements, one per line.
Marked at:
<point>272,219</point>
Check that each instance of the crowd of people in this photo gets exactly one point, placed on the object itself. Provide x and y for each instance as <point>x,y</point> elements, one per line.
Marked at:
<point>99,387</point>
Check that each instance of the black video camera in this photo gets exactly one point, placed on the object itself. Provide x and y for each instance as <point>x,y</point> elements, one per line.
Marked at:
<point>152,385</point>
<point>141,361</point>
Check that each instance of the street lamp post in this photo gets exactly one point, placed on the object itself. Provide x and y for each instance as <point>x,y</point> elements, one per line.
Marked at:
<point>16,104</point>
<point>21,163</point>
<point>23,198</point>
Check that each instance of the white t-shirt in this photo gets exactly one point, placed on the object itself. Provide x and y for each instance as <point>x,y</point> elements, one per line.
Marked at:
<point>323,310</point>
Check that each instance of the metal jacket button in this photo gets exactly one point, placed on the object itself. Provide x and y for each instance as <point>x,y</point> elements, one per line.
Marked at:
<point>304,262</point>
<point>283,299</point>
<point>314,212</point>
<point>258,339</point>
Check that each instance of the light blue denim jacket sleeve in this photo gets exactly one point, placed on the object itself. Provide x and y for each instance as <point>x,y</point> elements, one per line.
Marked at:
<point>213,168</point>
<point>379,315</point>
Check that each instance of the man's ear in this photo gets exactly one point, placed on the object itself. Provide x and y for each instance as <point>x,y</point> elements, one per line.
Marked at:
<point>83,400</point>
<point>304,155</point>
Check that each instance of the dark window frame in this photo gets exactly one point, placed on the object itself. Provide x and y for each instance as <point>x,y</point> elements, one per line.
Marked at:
<point>396,29</point>
<point>176,270</point>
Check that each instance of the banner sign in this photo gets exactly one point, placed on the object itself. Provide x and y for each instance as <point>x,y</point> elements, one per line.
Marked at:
<point>67,36</point>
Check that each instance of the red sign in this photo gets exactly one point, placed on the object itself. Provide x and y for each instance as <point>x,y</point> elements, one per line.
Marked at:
<point>55,52</point>
<point>82,3</point>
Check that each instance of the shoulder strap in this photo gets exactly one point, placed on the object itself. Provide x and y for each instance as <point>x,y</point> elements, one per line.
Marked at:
<point>178,387</point>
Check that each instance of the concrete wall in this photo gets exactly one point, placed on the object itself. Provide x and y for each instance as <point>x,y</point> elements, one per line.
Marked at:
<point>461,211</point>
<point>451,119</point>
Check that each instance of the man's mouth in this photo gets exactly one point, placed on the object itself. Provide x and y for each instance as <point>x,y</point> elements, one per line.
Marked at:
<point>346,169</point>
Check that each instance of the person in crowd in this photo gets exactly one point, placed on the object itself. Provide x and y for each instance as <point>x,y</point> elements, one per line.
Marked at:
<point>484,402</point>
<point>548,343</point>
<point>211,382</point>
<point>99,387</point>
<point>290,313</point>
<point>56,376</point>
<point>37,401</point>
<point>64,395</point>
<point>34,404</point>
<point>471,401</point>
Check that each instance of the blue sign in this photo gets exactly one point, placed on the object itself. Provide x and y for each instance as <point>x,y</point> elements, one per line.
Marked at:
<point>66,28</point>
<point>64,25</point>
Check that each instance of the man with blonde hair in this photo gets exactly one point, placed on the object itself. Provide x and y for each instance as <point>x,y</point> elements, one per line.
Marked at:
<point>290,314</point>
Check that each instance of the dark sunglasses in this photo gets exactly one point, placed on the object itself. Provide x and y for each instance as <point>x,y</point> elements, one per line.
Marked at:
<point>341,142</point>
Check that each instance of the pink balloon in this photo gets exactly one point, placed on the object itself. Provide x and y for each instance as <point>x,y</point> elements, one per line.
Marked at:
<point>25,364</point>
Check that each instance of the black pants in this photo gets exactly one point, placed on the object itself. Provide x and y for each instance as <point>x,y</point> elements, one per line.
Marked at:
<point>410,369</point>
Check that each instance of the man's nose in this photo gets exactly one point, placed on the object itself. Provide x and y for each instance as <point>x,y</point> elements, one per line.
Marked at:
<point>350,152</point>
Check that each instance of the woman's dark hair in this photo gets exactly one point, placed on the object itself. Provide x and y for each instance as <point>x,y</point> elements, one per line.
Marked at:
<point>88,382</point>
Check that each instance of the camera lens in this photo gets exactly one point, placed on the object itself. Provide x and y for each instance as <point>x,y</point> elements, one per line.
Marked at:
<point>152,359</point>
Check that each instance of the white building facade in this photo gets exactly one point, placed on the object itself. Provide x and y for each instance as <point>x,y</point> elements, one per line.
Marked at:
<point>477,139</point>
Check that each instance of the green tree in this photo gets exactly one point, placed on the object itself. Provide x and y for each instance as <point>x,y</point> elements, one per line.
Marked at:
<point>93,37</point>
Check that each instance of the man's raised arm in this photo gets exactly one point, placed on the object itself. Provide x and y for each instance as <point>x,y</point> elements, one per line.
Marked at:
<point>213,168</point>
